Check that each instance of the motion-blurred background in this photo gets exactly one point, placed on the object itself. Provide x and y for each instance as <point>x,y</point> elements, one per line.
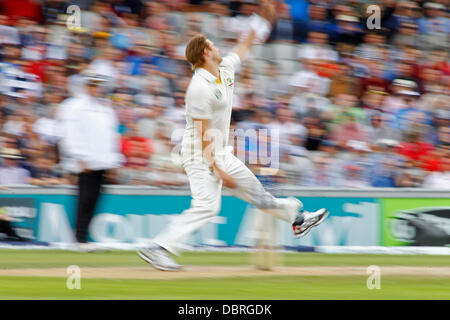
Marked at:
<point>354,107</point>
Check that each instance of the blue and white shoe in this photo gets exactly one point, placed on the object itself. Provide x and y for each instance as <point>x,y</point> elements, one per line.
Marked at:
<point>159,258</point>
<point>306,220</point>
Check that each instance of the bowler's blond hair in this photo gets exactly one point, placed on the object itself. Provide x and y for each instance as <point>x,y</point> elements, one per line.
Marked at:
<point>195,50</point>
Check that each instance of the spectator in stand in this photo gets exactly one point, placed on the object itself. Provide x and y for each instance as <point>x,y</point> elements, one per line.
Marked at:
<point>318,21</point>
<point>8,34</point>
<point>395,101</point>
<point>45,171</point>
<point>407,35</point>
<point>348,29</point>
<point>323,175</point>
<point>373,45</point>
<point>349,121</point>
<point>136,149</point>
<point>404,11</point>
<point>288,124</point>
<point>272,83</point>
<point>296,163</point>
<point>316,133</point>
<point>376,79</point>
<point>342,82</point>
<point>385,170</point>
<point>11,172</point>
<point>359,154</point>
<point>317,48</point>
<point>354,177</point>
<point>13,78</point>
<point>345,105</point>
<point>379,129</point>
<point>435,25</point>
<point>414,147</point>
<point>372,101</point>
<point>216,22</point>
<point>443,135</point>
<point>283,31</point>
<point>164,163</point>
<point>411,116</point>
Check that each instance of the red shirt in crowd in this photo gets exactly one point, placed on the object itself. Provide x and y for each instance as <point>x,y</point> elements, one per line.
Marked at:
<point>432,162</point>
<point>137,150</point>
<point>414,150</point>
<point>17,9</point>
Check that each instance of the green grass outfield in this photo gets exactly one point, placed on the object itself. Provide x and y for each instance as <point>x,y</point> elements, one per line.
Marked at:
<point>264,287</point>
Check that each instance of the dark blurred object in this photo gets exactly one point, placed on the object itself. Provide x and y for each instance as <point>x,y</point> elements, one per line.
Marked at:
<point>7,233</point>
<point>53,9</point>
<point>128,6</point>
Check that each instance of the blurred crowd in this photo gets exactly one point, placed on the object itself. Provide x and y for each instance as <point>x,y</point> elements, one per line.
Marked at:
<point>352,107</point>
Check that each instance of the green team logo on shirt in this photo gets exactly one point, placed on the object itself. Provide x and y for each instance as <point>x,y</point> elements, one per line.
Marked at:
<point>218,94</point>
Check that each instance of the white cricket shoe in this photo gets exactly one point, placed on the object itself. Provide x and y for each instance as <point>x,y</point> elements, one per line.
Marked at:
<point>306,220</point>
<point>159,258</point>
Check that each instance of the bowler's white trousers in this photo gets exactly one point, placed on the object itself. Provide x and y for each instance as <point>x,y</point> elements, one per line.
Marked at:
<point>206,190</point>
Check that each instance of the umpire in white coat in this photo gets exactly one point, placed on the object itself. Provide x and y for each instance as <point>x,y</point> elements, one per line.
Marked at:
<point>90,145</point>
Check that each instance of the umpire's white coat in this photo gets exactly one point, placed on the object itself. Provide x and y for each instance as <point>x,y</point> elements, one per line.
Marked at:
<point>89,132</point>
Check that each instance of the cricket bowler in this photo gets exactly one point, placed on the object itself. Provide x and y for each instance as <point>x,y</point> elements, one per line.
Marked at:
<point>206,156</point>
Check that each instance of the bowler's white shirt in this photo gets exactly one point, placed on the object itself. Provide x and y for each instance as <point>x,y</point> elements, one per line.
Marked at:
<point>206,98</point>
<point>89,129</point>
